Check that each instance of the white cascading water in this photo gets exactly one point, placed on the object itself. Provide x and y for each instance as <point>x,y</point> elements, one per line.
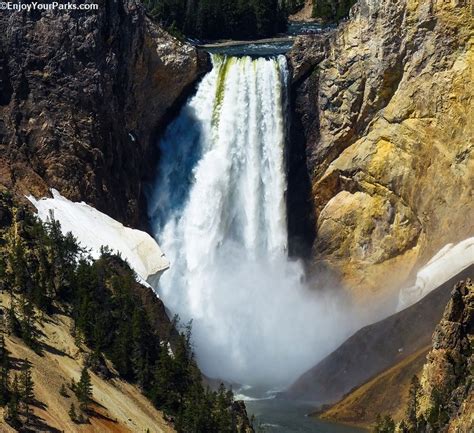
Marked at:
<point>218,209</point>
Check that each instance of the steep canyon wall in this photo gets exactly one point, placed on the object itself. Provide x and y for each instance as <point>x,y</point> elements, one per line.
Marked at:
<point>384,107</point>
<point>82,94</point>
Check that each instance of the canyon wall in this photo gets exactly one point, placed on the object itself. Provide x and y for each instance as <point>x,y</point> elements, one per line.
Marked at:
<point>82,95</point>
<point>447,379</point>
<point>384,107</point>
<point>373,350</point>
<point>446,398</point>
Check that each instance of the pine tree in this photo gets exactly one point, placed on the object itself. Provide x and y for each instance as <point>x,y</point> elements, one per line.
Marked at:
<point>28,330</point>
<point>14,327</point>
<point>83,389</point>
<point>413,403</point>
<point>16,269</point>
<point>402,428</point>
<point>437,415</point>
<point>4,371</point>
<point>26,388</point>
<point>12,415</point>
<point>63,391</point>
<point>223,404</point>
<point>384,424</point>
<point>72,413</point>
<point>331,10</point>
<point>163,394</point>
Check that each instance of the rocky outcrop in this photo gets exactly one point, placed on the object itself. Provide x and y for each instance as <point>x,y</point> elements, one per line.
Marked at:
<point>448,375</point>
<point>384,108</point>
<point>305,13</point>
<point>82,96</point>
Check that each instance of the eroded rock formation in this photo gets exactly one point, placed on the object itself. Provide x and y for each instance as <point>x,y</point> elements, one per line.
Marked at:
<point>81,96</point>
<point>447,379</point>
<point>385,108</point>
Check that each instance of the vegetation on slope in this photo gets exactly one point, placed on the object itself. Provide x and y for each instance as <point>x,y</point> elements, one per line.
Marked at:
<point>44,272</point>
<point>237,19</point>
<point>332,10</point>
<point>219,19</point>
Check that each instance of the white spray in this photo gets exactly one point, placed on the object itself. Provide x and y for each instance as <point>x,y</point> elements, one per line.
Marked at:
<point>219,213</point>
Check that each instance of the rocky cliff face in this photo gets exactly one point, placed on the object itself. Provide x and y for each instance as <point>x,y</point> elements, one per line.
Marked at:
<point>448,375</point>
<point>384,107</point>
<point>82,95</point>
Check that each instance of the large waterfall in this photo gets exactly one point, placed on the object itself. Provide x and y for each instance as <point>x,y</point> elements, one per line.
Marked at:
<point>219,213</point>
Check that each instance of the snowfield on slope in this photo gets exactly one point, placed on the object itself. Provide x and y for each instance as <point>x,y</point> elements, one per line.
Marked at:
<point>94,229</point>
<point>447,263</point>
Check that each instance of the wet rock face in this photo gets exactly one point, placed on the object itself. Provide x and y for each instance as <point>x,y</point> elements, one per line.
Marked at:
<point>83,94</point>
<point>385,111</point>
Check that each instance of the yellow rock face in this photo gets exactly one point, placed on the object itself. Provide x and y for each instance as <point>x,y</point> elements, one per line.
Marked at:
<point>393,163</point>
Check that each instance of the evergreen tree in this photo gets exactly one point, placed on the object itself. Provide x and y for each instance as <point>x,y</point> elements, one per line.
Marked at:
<point>63,391</point>
<point>224,400</point>
<point>4,371</point>
<point>163,394</point>
<point>437,415</point>
<point>384,424</point>
<point>16,269</point>
<point>292,6</point>
<point>26,388</point>
<point>14,327</point>
<point>12,415</point>
<point>413,403</point>
<point>83,389</point>
<point>141,336</point>
<point>214,19</point>
<point>402,428</point>
<point>332,10</point>
<point>72,413</point>
<point>108,317</point>
<point>28,330</point>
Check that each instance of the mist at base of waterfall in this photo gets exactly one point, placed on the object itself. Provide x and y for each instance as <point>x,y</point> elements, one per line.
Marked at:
<point>218,208</point>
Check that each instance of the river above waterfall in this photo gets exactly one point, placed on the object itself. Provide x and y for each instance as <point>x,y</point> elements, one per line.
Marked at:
<point>263,48</point>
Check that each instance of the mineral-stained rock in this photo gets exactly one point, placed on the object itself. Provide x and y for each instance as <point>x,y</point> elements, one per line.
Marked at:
<point>82,95</point>
<point>385,108</point>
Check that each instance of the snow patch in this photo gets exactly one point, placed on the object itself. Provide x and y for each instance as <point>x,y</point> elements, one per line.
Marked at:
<point>446,264</point>
<point>94,229</point>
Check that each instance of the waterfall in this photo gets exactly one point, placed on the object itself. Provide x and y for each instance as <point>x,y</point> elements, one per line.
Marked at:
<point>218,209</point>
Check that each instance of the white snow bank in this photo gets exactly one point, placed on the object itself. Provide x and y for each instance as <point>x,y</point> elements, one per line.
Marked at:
<point>94,229</point>
<point>447,263</point>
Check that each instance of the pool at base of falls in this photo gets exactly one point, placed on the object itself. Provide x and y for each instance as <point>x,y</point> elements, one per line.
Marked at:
<point>282,416</point>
